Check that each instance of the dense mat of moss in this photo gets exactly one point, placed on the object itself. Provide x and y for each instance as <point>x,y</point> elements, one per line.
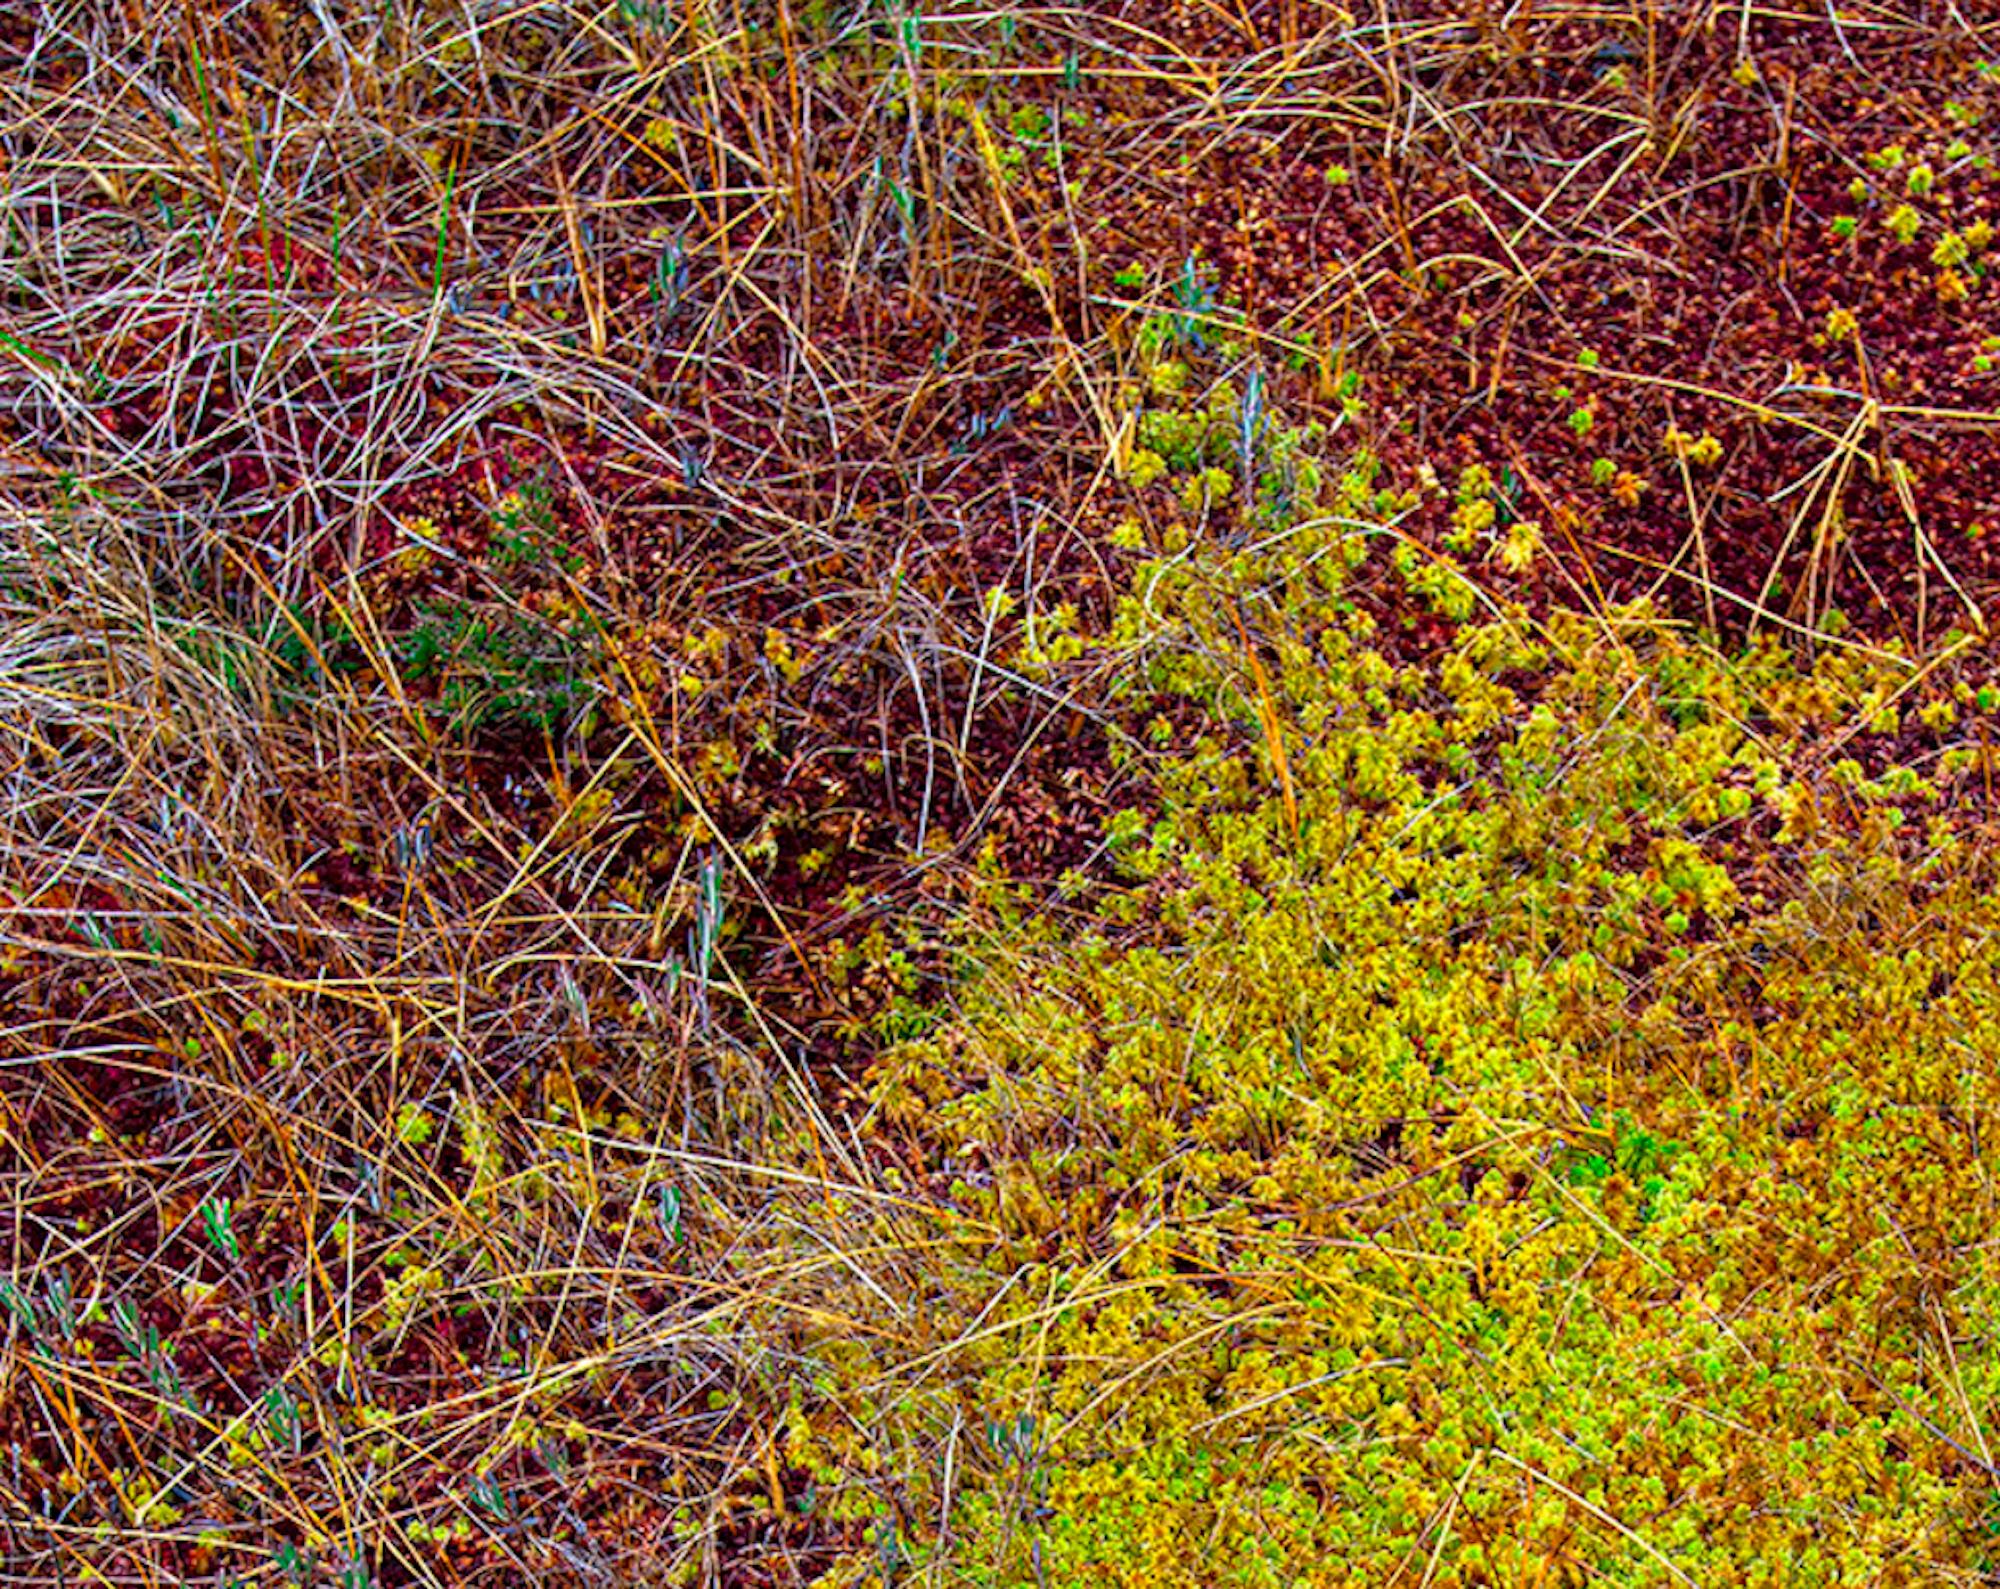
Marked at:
<point>1523,1123</point>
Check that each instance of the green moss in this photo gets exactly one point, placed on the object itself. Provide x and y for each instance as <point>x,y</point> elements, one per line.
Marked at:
<point>1472,1146</point>
<point>1184,440</point>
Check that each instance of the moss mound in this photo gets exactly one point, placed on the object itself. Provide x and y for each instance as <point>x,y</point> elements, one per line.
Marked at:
<point>1522,1123</point>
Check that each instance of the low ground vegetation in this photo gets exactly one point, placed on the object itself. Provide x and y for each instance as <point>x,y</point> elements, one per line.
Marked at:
<point>1148,795</point>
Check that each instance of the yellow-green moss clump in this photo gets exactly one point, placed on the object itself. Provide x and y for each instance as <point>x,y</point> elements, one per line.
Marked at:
<point>1524,1123</point>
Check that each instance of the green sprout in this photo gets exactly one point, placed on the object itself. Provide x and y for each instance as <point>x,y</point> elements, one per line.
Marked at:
<point>215,1220</point>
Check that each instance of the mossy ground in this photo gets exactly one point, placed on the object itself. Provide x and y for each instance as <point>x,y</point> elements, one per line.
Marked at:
<point>861,795</point>
<point>1513,1127</point>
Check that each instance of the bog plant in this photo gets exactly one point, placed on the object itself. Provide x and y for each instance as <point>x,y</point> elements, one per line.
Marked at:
<point>1500,1099</point>
<point>1515,1123</point>
<point>501,669</point>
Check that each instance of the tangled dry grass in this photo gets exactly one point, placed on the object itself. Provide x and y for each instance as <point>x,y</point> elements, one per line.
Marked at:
<point>546,554</point>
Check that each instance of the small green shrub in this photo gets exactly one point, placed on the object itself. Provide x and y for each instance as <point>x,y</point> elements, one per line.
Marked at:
<point>513,670</point>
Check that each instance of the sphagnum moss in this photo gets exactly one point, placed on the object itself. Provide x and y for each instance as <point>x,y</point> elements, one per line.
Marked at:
<point>1561,1162</point>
